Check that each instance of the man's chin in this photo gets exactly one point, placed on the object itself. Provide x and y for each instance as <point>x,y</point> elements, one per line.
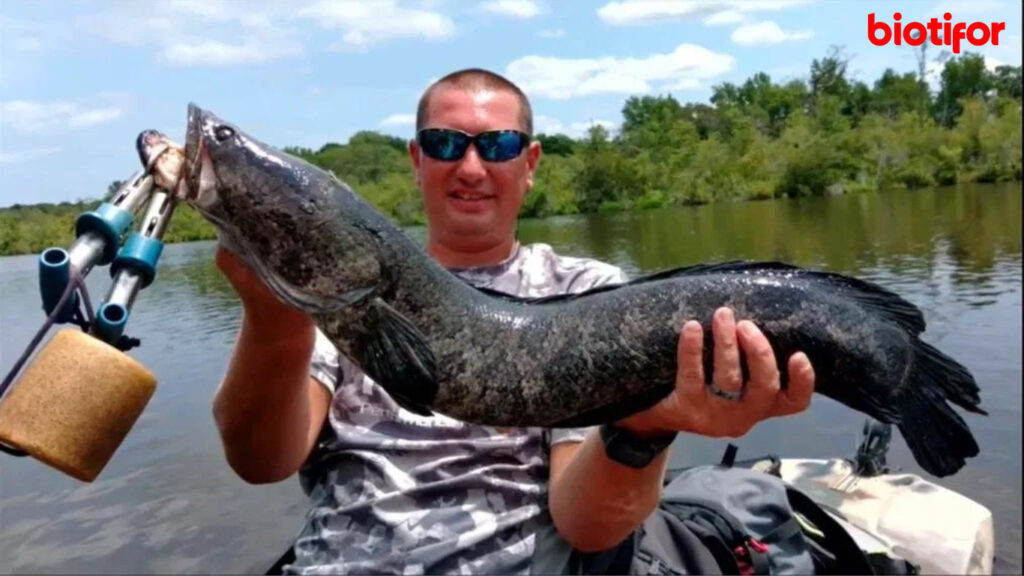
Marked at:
<point>460,213</point>
<point>471,224</point>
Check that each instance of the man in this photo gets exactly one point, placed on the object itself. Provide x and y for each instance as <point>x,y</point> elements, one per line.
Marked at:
<point>393,491</point>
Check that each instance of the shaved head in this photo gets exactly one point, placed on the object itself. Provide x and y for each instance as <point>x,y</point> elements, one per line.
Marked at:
<point>475,80</point>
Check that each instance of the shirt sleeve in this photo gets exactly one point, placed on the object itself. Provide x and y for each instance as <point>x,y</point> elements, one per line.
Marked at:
<point>325,365</point>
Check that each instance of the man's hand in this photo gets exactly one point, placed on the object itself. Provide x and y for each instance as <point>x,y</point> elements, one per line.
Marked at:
<point>693,408</point>
<point>258,301</point>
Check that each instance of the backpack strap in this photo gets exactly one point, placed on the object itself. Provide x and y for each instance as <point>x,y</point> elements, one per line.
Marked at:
<point>849,558</point>
<point>783,531</point>
<point>729,457</point>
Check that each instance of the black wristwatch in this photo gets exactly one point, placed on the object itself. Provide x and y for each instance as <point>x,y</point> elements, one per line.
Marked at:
<point>631,450</point>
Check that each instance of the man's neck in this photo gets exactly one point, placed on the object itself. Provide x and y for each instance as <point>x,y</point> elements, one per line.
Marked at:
<point>489,256</point>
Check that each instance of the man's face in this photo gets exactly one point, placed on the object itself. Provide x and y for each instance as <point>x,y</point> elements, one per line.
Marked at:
<point>473,204</point>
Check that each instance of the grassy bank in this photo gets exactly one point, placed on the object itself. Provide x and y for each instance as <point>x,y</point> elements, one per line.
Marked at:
<point>758,140</point>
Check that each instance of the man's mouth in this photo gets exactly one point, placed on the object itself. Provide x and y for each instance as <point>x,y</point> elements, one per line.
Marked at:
<point>469,196</point>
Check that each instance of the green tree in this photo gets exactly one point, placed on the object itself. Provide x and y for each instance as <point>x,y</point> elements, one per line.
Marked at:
<point>828,77</point>
<point>1007,82</point>
<point>895,94</point>
<point>556,144</point>
<point>962,77</point>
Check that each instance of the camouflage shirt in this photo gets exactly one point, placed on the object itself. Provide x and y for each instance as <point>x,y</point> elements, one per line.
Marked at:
<point>395,492</point>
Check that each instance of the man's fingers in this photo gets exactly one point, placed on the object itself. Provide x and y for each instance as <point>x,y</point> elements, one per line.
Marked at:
<point>797,396</point>
<point>728,376</point>
<point>764,373</point>
<point>690,358</point>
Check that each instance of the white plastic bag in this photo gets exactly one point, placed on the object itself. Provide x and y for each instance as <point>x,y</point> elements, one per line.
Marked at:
<point>939,530</point>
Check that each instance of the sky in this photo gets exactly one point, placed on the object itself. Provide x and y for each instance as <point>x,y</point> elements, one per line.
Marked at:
<point>80,79</point>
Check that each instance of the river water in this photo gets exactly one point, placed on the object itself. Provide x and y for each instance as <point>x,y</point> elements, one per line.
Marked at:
<point>167,502</point>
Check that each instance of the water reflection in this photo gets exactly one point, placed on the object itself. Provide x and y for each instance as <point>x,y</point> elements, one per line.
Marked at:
<point>168,503</point>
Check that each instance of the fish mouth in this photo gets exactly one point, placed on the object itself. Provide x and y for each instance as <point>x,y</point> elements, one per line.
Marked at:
<point>201,176</point>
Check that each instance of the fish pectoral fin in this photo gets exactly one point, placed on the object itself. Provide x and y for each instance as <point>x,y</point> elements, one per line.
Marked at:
<point>350,298</point>
<point>396,355</point>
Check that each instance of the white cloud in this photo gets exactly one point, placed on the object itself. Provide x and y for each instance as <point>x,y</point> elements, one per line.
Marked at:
<point>555,33</point>
<point>562,78</point>
<point>209,9</point>
<point>523,9</point>
<point>200,32</point>
<point>221,54</point>
<point>581,128</point>
<point>933,74</point>
<point>766,32</point>
<point>366,22</point>
<point>724,18</point>
<point>627,12</point>
<point>219,33</point>
<point>38,117</point>
<point>993,63</point>
<point>685,84</point>
<point>399,120</point>
<point>549,125</point>
<point>24,156</point>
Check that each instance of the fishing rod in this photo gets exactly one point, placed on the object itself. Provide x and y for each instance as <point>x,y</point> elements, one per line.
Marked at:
<point>77,399</point>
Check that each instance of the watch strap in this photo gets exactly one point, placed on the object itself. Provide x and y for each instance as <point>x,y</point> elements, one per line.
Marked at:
<point>627,448</point>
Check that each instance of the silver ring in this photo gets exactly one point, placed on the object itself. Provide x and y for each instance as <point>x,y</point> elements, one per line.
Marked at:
<point>725,393</point>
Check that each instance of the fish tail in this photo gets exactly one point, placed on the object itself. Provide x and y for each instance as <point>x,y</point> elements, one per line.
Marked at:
<point>948,375</point>
<point>937,436</point>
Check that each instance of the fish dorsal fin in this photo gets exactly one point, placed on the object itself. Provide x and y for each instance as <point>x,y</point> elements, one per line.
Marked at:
<point>871,296</point>
<point>874,297</point>
<point>877,299</point>
<point>735,266</point>
<point>395,354</point>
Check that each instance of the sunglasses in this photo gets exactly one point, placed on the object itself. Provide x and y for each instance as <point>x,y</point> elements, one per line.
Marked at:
<point>492,146</point>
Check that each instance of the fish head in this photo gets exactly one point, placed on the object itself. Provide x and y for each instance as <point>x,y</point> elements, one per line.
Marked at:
<point>211,142</point>
<point>278,214</point>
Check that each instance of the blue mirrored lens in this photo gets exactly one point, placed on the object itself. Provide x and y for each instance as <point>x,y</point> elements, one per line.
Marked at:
<point>500,146</point>
<point>443,144</point>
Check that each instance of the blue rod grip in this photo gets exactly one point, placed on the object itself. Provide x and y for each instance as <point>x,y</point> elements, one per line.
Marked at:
<point>54,275</point>
<point>110,322</point>
<point>139,254</point>
<point>108,221</point>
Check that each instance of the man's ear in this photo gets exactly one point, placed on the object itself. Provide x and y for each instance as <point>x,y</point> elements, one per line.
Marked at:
<point>533,154</point>
<point>414,153</point>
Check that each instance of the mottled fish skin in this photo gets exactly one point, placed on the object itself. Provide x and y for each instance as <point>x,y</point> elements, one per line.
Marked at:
<point>436,343</point>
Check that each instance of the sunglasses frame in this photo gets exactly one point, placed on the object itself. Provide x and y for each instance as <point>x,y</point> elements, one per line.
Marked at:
<point>474,140</point>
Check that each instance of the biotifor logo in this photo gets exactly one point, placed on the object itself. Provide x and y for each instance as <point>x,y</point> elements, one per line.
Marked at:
<point>915,33</point>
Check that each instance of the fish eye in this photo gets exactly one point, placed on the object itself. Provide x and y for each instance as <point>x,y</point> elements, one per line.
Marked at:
<point>223,132</point>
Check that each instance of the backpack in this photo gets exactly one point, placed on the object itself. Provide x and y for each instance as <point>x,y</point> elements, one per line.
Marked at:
<point>735,518</point>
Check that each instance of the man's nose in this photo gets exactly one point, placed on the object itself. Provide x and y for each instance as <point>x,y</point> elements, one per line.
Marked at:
<point>471,168</point>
